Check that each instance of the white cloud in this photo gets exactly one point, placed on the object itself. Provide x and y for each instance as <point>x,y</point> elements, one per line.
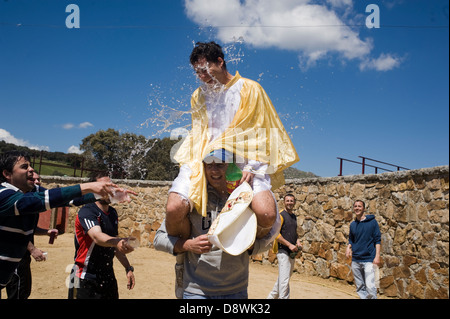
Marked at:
<point>341,3</point>
<point>69,126</point>
<point>85,125</point>
<point>385,62</point>
<point>8,138</point>
<point>314,29</point>
<point>74,149</point>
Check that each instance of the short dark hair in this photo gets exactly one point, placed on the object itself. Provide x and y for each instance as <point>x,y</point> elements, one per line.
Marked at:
<point>289,195</point>
<point>9,159</point>
<point>358,200</point>
<point>95,175</point>
<point>211,51</point>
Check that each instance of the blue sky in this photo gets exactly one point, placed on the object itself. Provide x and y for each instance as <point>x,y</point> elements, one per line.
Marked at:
<point>342,89</point>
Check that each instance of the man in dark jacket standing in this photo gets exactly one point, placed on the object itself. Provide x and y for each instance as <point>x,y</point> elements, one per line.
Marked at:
<point>364,248</point>
<point>288,246</point>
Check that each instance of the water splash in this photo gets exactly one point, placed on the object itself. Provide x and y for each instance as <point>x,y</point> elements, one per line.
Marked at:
<point>165,111</point>
<point>169,108</point>
<point>134,164</point>
<point>169,105</point>
<point>234,52</point>
<point>129,160</point>
<point>294,121</point>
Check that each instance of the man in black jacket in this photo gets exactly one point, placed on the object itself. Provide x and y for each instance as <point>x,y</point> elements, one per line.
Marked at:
<point>288,246</point>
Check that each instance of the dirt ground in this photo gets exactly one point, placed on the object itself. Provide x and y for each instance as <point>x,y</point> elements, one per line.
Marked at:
<point>154,272</point>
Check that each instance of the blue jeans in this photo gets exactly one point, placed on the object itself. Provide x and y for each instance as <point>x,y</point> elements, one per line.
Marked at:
<point>364,276</point>
<point>239,295</point>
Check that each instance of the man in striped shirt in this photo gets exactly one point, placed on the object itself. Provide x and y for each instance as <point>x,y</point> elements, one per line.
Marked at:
<point>19,204</point>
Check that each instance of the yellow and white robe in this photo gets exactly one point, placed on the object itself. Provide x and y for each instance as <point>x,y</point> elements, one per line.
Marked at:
<point>240,118</point>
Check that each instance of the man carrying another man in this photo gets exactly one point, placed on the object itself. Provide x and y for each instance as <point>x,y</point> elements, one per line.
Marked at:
<point>234,114</point>
<point>209,273</point>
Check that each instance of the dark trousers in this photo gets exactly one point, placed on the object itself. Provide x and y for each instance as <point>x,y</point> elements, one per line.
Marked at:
<point>100,288</point>
<point>19,287</point>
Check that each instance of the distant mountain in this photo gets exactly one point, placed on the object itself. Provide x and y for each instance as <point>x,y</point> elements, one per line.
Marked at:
<point>293,173</point>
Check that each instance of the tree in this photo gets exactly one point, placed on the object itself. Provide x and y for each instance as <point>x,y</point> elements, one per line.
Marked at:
<point>101,149</point>
<point>129,155</point>
<point>158,163</point>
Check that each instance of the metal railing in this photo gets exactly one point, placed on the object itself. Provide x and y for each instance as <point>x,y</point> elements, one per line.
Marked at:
<point>364,164</point>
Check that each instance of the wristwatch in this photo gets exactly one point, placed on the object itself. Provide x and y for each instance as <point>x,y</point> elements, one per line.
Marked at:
<point>131,268</point>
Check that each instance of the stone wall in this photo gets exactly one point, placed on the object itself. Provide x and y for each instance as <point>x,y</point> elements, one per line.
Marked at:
<point>411,207</point>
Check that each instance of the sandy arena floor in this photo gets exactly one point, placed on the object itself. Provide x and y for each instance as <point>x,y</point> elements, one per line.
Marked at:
<point>154,272</point>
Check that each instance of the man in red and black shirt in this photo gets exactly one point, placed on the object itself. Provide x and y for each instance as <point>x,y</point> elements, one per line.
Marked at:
<point>96,244</point>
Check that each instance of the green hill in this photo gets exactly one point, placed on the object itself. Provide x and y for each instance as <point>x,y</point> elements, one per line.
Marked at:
<point>59,164</point>
<point>63,164</point>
